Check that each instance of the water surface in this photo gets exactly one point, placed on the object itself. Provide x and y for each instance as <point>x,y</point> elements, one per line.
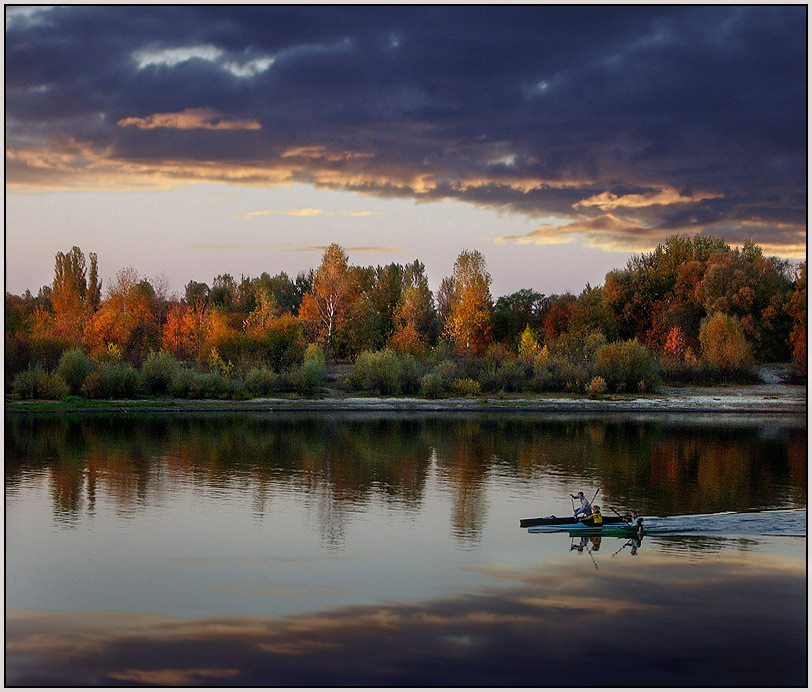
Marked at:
<point>374,549</point>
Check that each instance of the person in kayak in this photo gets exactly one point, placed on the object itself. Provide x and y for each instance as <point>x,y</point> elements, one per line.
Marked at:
<point>634,520</point>
<point>594,519</point>
<point>585,508</point>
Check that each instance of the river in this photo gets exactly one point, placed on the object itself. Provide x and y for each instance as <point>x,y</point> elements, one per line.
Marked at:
<point>384,549</point>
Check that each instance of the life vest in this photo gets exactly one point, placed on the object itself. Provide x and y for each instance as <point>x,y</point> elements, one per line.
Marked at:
<point>594,518</point>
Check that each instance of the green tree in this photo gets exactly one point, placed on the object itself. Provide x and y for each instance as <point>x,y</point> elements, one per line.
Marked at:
<point>517,311</point>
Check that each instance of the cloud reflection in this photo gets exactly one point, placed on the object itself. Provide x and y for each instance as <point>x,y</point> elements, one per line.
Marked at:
<point>662,622</point>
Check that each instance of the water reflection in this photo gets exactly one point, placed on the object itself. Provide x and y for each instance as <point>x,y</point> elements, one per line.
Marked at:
<point>735,621</point>
<point>345,462</point>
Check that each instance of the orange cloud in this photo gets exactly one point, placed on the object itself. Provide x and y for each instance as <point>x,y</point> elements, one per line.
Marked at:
<point>663,197</point>
<point>190,119</point>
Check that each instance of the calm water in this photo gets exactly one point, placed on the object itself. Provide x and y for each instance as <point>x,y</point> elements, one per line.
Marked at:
<point>366,549</point>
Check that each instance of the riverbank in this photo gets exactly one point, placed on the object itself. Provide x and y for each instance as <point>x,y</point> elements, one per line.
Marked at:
<point>774,398</point>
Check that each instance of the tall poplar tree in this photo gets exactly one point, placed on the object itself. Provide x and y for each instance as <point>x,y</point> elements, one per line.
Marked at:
<point>471,305</point>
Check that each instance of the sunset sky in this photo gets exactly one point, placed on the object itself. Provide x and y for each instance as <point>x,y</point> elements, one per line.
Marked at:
<point>189,141</point>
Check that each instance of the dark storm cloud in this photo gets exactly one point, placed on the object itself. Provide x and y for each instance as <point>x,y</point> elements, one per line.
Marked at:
<point>532,109</point>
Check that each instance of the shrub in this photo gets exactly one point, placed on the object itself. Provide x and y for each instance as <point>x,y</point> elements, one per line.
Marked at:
<point>191,384</point>
<point>387,372</point>
<point>280,344</point>
<point>465,386</point>
<point>36,383</point>
<point>211,385</point>
<point>377,371</point>
<point>624,365</point>
<point>24,385</point>
<point>310,377</point>
<point>52,386</point>
<point>542,379</point>
<point>113,380</point>
<point>26,382</point>
<point>181,383</point>
<point>447,371</point>
<point>510,376</point>
<point>410,374</point>
<point>315,354</point>
<point>74,367</point>
<point>217,364</point>
<point>596,387</point>
<point>157,372</point>
<point>261,381</point>
<point>431,386</point>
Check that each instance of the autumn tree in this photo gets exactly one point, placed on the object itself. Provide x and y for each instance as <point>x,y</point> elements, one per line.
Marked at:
<point>796,308</point>
<point>724,345</point>
<point>415,317</point>
<point>327,305</point>
<point>125,319</point>
<point>265,312</point>
<point>469,319</point>
<point>557,316</point>
<point>69,294</point>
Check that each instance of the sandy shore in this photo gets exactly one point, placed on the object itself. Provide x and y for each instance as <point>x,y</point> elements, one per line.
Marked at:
<point>774,399</point>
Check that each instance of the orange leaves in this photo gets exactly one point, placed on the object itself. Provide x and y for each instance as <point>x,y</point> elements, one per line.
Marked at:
<point>723,343</point>
<point>190,332</point>
<point>469,319</point>
<point>125,320</point>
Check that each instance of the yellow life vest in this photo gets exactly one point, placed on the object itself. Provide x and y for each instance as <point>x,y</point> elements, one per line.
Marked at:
<point>594,518</point>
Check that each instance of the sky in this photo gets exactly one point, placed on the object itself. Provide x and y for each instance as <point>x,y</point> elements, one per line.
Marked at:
<point>191,141</point>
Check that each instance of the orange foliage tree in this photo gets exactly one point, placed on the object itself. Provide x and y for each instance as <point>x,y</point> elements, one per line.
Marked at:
<point>125,319</point>
<point>469,320</point>
<point>326,307</point>
<point>724,345</point>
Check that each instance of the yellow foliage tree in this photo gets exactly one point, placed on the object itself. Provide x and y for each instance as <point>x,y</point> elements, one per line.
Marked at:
<point>469,320</point>
<point>723,343</point>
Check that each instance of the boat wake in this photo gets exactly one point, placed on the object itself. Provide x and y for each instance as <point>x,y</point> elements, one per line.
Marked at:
<point>779,522</point>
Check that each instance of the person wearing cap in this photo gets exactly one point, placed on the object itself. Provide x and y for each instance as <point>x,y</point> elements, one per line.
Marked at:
<point>585,507</point>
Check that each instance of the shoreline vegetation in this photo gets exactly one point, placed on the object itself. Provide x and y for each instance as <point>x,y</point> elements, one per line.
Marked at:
<point>759,399</point>
<point>692,313</point>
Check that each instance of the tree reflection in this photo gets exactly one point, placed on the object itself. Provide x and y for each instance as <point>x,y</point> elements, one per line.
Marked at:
<point>342,463</point>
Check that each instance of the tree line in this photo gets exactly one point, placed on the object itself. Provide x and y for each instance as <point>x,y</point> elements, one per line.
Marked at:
<point>694,309</point>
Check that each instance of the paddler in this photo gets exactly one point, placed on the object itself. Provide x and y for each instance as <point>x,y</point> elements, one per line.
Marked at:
<point>595,519</point>
<point>635,521</point>
<point>585,508</point>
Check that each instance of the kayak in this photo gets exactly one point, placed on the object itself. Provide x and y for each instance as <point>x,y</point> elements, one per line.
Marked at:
<point>570,522</point>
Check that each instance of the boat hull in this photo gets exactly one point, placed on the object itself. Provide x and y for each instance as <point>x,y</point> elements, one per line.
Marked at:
<point>571,522</point>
